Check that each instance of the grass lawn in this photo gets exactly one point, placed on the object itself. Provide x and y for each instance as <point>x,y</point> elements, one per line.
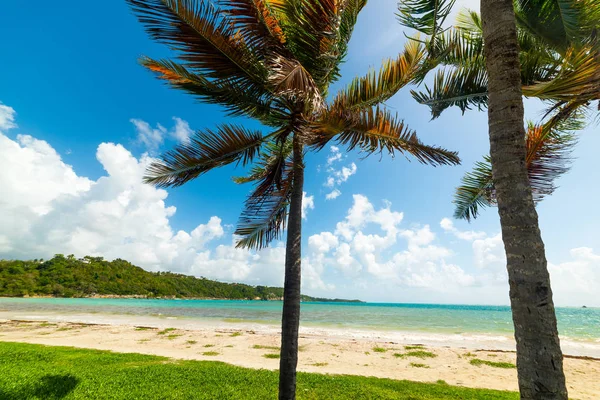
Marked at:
<point>29,371</point>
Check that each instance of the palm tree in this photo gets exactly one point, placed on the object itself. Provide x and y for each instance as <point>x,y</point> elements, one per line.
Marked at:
<point>560,69</point>
<point>558,62</point>
<point>273,61</point>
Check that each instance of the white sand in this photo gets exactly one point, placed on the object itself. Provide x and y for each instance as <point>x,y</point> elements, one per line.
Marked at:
<point>323,353</point>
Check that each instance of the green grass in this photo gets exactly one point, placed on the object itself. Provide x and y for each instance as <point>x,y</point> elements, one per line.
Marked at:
<point>143,328</point>
<point>229,345</point>
<point>45,324</point>
<point>236,334</point>
<point>416,353</point>
<point>209,345</point>
<point>165,331</point>
<point>210,353</point>
<point>173,336</point>
<point>259,346</point>
<point>64,328</point>
<point>478,362</point>
<point>30,371</point>
<point>379,349</point>
<point>320,364</point>
<point>419,365</point>
<point>413,347</point>
<point>271,355</point>
<point>191,342</point>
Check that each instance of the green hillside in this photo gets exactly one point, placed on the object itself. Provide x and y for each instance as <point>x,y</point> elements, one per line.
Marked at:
<point>71,277</point>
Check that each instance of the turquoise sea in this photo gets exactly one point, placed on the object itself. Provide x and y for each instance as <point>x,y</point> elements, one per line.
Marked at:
<point>574,323</point>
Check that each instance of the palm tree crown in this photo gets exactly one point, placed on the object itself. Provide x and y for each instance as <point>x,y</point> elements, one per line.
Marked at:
<point>274,60</point>
<point>560,65</point>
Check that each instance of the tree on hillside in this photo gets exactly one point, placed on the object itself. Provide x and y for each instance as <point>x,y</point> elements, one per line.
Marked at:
<point>273,61</point>
<point>553,55</point>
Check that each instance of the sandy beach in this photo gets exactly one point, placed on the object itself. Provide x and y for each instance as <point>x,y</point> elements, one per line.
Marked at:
<point>405,357</point>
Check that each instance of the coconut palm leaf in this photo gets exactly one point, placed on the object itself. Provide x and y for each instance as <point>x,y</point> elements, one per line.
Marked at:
<point>257,23</point>
<point>549,147</point>
<point>237,101</point>
<point>289,78</point>
<point>265,212</point>
<point>271,156</point>
<point>558,23</point>
<point>578,78</point>
<point>318,32</point>
<point>425,16</point>
<point>461,87</point>
<point>377,87</point>
<point>205,151</point>
<point>376,130</point>
<point>204,37</point>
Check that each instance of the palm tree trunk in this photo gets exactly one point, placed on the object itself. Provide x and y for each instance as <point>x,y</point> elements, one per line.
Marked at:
<point>290,321</point>
<point>539,357</point>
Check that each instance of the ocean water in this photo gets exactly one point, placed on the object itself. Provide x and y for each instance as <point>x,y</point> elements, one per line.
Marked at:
<point>580,324</point>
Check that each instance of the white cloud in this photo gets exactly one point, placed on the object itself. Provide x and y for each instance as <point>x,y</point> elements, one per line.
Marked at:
<point>308,203</point>
<point>337,176</point>
<point>334,155</point>
<point>153,138</point>
<point>576,282</point>
<point>150,137</point>
<point>334,194</point>
<point>181,131</point>
<point>7,117</point>
<point>448,226</point>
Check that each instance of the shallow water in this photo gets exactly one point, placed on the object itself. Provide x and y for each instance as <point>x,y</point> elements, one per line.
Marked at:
<point>574,323</point>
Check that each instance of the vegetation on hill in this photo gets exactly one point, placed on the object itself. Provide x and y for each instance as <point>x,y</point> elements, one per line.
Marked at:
<point>71,277</point>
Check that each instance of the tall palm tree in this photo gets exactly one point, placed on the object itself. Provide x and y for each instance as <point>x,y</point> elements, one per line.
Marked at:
<point>273,61</point>
<point>558,62</point>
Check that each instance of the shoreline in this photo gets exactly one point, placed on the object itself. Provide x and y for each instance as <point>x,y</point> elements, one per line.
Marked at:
<point>468,340</point>
<point>253,346</point>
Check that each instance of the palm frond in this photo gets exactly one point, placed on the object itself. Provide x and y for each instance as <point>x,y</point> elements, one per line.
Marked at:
<point>377,87</point>
<point>461,87</point>
<point>236,100</point>
<point>375,130</point>
<point>313,31</point>
<point>256,22</point>
<point>469,21</point>
<point>425,16</point>
<point>549,147</point>
<point>265,213</point>
<point>205,151</point>
<point>579,78</point>
<point>558,22</point>
<point>272,155</point>
<point>203,36</point>
<point>289,78</point>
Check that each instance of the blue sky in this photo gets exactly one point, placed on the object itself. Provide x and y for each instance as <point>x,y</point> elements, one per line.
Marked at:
<point>76,104</point>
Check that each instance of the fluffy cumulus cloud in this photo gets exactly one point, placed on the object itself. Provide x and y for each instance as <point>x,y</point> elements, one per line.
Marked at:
<point>372,243</point>
<point>152,138</point>
<point>7,117</point>
<point>448,226</point>
<point>308,203</point>
<point>335,175</point>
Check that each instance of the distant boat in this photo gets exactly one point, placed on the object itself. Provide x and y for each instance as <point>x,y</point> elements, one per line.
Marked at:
<point>584,307</point>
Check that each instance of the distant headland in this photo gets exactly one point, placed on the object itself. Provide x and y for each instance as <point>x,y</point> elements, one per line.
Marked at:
<point>68,276</point>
